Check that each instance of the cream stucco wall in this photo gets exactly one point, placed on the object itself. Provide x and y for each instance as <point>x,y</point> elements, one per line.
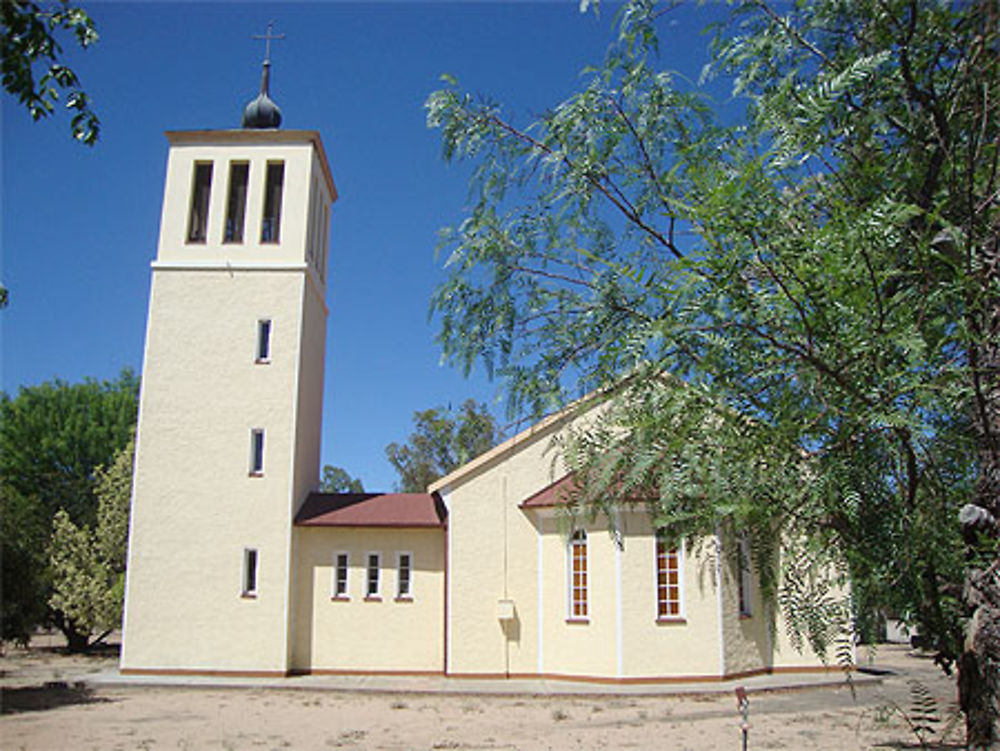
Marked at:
<point>747,639</point>
<point>687,647</point>
<point>196,507</point>
<point>788,655</point>
<point>303,160</point>
<point>359,634</point>
<point>493,554</point>
<point>499,551</point>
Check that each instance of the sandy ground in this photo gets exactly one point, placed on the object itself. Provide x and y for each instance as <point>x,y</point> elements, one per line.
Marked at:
<point>46,706</point>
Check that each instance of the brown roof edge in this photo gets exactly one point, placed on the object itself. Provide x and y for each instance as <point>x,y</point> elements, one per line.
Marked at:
<point>537,430</point>
<point>410,510</point>
<point>543,427</point>
<point>554,494</point>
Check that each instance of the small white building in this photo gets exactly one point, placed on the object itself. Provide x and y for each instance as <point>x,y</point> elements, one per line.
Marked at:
<point>237,566</point>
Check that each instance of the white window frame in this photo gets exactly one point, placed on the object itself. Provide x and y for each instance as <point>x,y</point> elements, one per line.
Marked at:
<point>400,595</point>
<point>257,467</point>
<point>571,588</point>
<point>334,592</point>
<point>264,325</point>
<point>246,590</point>
<point>377,594</point>
<point>681,613</point>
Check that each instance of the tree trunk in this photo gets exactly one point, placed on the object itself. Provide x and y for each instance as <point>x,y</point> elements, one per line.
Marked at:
<point>979,665</point>
<point>76,641</point>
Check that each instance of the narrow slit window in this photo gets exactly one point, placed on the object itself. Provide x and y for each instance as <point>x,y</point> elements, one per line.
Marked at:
<point>668,579</point>
<point>340,568</point>
<point>264,340</point>
<point>250,561</point>
<point>270,229</point>
<point>257,452</point>
<point>201,189</point>
<point>404,570</point>
<point>324,241</point>
<point>236,205</point>
<point>578,575</point>
<point>313,231</point>
<point>744,576</point>
<point>374,569</point>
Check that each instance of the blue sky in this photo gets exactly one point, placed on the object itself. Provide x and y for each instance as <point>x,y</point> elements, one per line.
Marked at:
<point>80,225</point>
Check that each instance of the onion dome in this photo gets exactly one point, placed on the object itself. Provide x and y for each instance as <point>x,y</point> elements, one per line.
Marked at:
<point>262,112</point>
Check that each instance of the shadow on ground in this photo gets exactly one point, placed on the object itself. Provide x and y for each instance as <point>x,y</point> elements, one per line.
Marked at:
<point>50,695</point>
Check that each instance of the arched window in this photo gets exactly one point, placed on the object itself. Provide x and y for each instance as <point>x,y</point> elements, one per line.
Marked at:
<point>669,590</point>
<point>578,575</point>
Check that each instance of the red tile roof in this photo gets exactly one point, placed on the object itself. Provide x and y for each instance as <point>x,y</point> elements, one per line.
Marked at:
<point>372,510</point>
<point>556,494</point>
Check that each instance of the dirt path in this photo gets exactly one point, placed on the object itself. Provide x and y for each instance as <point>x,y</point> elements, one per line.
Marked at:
<point>44,708</point>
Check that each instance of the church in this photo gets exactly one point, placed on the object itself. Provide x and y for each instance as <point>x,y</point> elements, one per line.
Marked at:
<point>238,566</point>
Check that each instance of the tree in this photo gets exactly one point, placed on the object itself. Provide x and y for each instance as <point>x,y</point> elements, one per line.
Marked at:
<point>29,40</point>
<point>30,47</point>
<point>442,441</point>
<point>337,480</point>
<point>52,438</point>
<point>796,319</point>
<point>88,563</point>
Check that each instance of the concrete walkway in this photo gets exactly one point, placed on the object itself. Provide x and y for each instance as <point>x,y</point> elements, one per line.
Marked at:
<point>496,687</point>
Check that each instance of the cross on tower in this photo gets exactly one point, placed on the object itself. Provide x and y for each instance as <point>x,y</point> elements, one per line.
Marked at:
<point>267,40</point>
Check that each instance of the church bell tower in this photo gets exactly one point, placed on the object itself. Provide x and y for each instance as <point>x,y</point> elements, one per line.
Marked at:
<point>228,440</point>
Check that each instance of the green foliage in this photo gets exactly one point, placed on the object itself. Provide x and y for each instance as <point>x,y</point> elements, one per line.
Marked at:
<point>783,315</point>
<point>813,601</point>
<point>24,529</point>
<point>922,716</point>
<point>114,498</point>
<point>88,563</point>
<point>81,588</point>
<point>52,439</point>
<point>337,480</point>
<point>442,441</point>
<point>30,47</point>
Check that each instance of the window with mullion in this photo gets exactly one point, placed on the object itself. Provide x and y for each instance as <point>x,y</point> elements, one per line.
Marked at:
<point>341,567</point>
<point>404,576</point>
<point>374,569</point>
<point>668,579</point>
<point>578,575</point>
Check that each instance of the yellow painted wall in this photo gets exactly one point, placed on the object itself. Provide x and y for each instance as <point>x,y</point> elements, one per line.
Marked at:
<point>362,635</point>
<point>195,505</point>
<point>493,554</point>
<point>685,647</point>
<point>747,641</point>
<point>787,654</point>
<point>499,551</point>
<point>300,163</point>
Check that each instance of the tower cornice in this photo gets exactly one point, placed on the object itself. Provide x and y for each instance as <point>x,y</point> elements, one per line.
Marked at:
<point>252,136</point>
